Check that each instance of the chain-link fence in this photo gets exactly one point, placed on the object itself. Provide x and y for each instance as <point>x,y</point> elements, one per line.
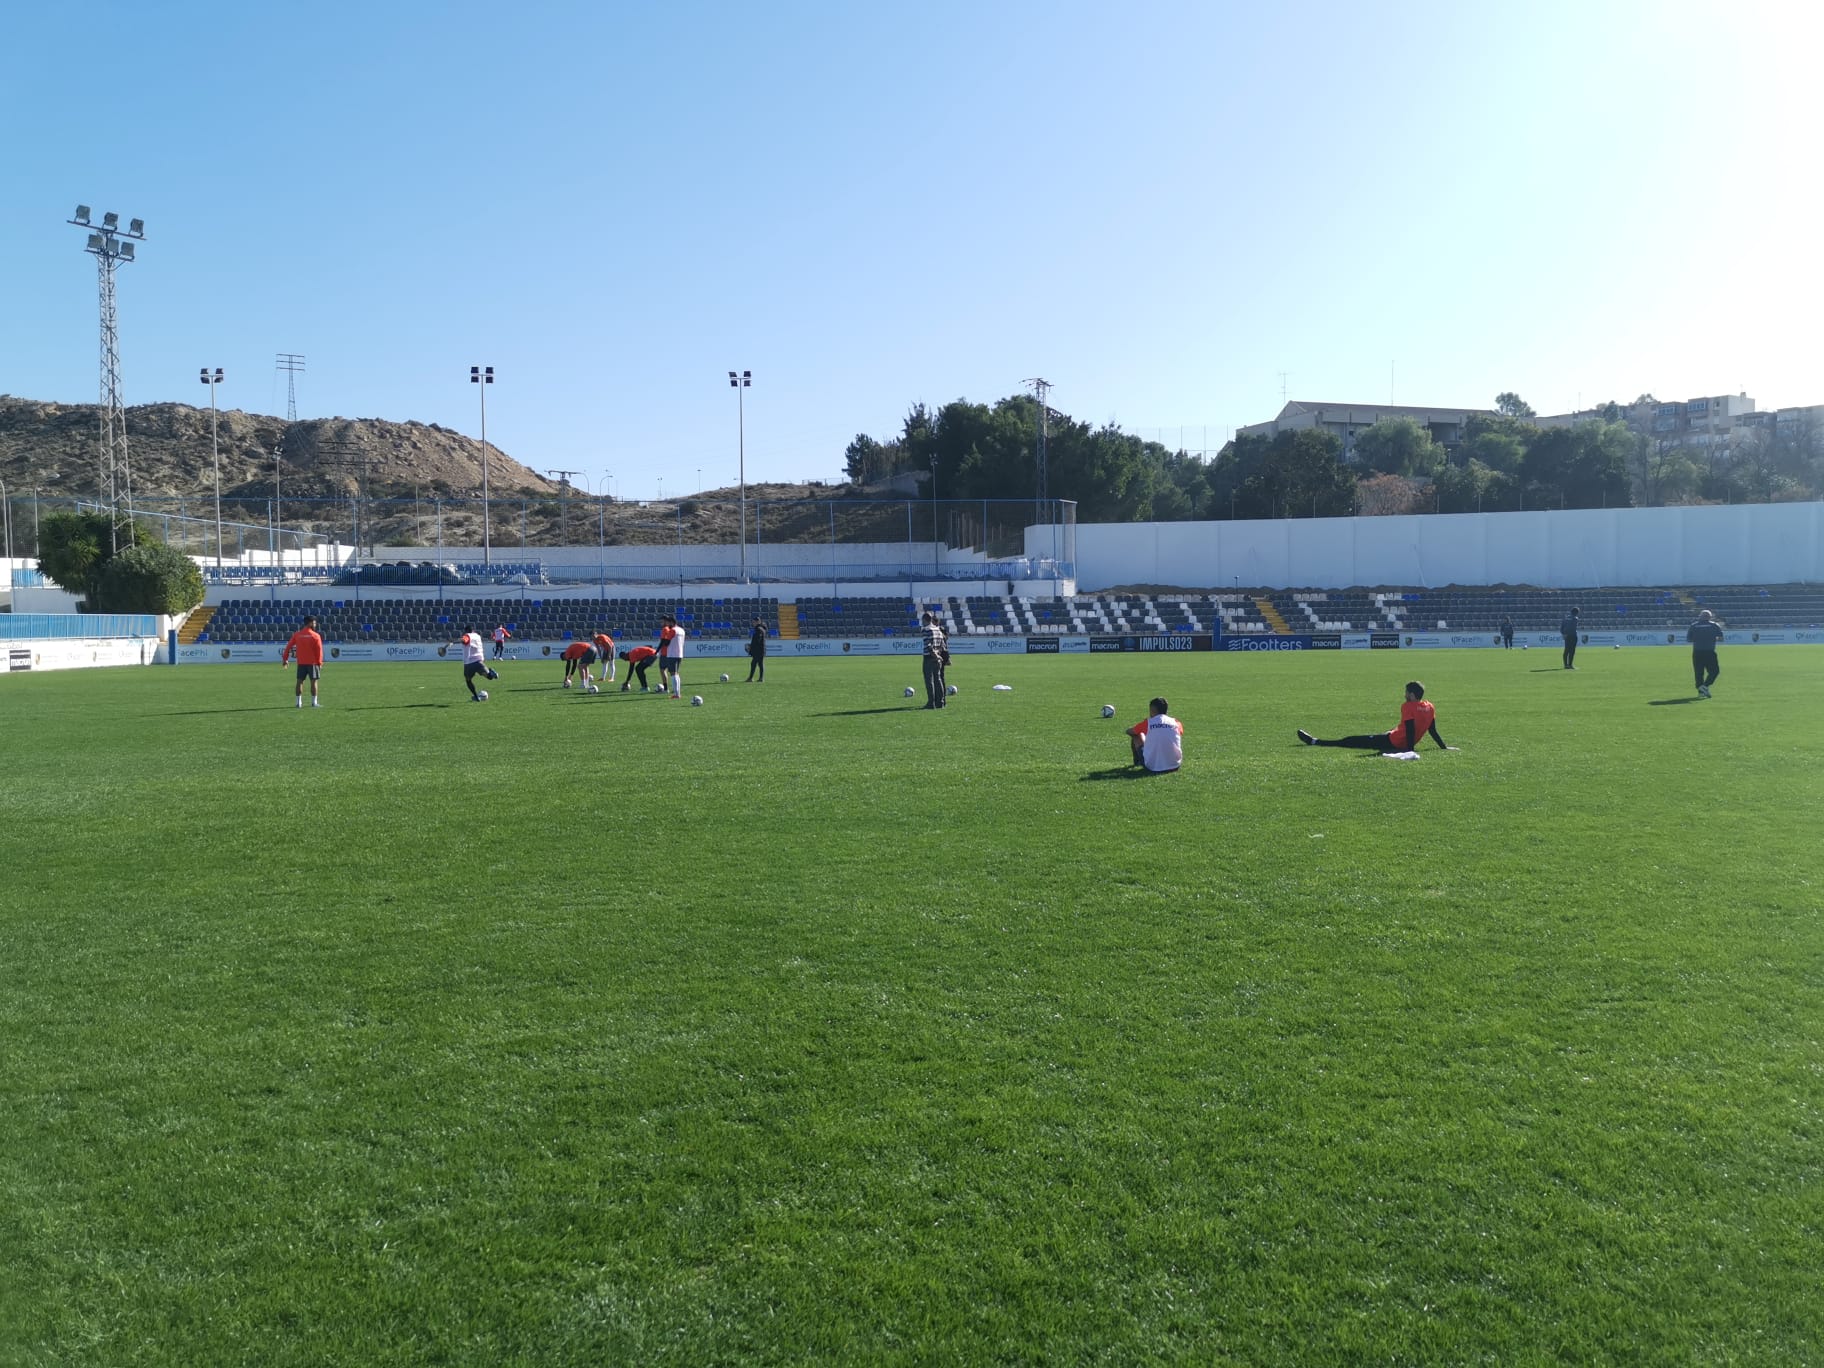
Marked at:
<point>585,538</point>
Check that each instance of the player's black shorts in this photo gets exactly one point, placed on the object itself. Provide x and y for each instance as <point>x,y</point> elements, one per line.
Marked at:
<point>309,672</point>
<point>471,668</point>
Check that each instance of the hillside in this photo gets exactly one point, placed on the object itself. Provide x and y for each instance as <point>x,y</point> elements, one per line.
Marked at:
<point>53,448</point>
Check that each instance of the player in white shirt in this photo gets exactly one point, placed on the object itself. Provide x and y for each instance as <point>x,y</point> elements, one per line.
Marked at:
<point>474,661</point>
<point>671,655</point>
<point>1158,741</point>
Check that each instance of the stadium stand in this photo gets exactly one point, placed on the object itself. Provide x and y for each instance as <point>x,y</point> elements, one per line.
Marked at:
<point>346,620</point>
<point>387,619</point>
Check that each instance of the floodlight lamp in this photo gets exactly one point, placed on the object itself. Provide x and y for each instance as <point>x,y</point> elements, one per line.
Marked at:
<point>747,378</point>
<point>137,227</point>
<point>204,377</point>
<point>218,375</point>
<point>97,242</point>
<point>110,221</point>
<point>82,213</point>
<point>125,251</point>
<point>487,376</point>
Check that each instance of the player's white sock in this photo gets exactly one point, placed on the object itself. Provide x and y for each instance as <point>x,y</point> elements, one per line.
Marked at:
<point>315,703</point>
<point>300,700</point>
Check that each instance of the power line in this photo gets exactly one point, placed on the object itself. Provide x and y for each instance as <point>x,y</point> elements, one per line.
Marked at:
<point>291,363</point>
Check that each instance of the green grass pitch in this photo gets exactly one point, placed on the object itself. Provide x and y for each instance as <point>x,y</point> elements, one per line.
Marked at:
<point>809,1025</point>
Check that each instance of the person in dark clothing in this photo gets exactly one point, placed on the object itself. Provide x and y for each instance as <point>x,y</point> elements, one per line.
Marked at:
<point>756,652</point>
<point>1417,718</point>
<point>937,657</point>
<point>1507,633</point>
<point>1569,628</point>
<point>1704,634</point>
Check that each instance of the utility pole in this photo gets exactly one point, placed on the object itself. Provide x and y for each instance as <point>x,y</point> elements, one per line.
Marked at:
<point>291,363</point>
<point>348,456</point>
<point>110,247</point>
<point>563,488</point>
<point>1041,388</point>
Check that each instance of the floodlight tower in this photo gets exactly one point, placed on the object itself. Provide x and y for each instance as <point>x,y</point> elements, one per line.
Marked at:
<point>212,379</point>
<point>291,363</point>
<point>740,384</point>
<point>484,376</point>
<point>1041,388</point>
<point>109,246</point>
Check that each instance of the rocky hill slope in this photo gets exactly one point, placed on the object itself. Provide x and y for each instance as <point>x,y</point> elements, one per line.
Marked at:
<point>53,448</point>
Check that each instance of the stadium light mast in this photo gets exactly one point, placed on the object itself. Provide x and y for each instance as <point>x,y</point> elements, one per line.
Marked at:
<point>110,246</point>
<point>1040,389</point>
<point>212,379</point>
<point>484,376</point>
<point>741,384</point>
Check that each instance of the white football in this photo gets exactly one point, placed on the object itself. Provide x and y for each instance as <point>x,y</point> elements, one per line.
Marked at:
<point>1108,710</point>
<point>482,695</point>
<point>567,683</point>
<point>1523,646</point>
<point>696,700</point>
<point>951,691</point>
<point>908,693</point>
<point>594,688</point>
<point>1618,645</point>
<point>725,679</point>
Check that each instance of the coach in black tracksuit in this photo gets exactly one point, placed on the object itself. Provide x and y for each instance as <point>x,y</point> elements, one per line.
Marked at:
<point>756,651</point>
<point>1703,635</point>
<point>1568,629</point>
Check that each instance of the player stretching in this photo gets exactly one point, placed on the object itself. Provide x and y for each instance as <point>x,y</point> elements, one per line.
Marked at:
<point>578,655</point>
<point>1417,718</point>
<point>639,660</point>
<point>604,647</point>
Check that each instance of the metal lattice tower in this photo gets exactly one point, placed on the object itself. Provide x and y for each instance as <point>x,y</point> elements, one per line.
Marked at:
<point>291,363</point>
<point>1041,388</point>
<point>110,246</point>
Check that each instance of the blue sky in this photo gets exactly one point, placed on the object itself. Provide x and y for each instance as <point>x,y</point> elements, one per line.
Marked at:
<point>1158,207</point>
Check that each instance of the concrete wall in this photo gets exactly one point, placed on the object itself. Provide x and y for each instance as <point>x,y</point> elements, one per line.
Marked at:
<point>1572,549</point>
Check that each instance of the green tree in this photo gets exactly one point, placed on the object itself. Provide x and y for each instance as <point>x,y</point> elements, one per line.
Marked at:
<point>148,578</point>
<point>1585,466</point>
<point>1510,405</point>
<point>1294,474</point>
<point>1398,446</point>
<point>75,548</point>
<point>1501,451</point>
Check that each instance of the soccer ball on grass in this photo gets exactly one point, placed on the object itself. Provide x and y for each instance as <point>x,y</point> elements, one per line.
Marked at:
<point>593,688</point>
<point>482,694</point>
<point>909,691</point>
<point>1108,710</point>
<point>725,679</point>
<point>696,700</point>
<point>951,691</point>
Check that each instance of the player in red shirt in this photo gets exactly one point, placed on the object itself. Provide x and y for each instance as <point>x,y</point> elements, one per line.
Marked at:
<point>639,660</point>
<point>307,647</point>
<point>604,647</point>
<point>1417,718</point>
<point>578,655</point>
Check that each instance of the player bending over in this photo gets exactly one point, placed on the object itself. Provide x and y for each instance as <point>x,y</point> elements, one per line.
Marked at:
<point>639,660</point>
<point>604,650</point>
<point>1159,740</point>
<point>578,655</point>
<point>1417,718</point>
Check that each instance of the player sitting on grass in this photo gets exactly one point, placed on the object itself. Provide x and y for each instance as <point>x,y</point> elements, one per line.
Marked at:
<point>639,660</point>
<point>1159,740</point>
<point>1417,718</point>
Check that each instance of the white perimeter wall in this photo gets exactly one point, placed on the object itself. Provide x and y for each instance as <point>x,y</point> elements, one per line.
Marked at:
<point>1573,549</point>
